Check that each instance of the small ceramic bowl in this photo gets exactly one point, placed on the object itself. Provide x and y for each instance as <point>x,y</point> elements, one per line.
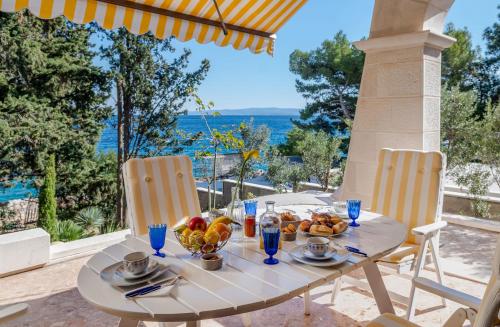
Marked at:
<point>318,246</point>
<point>211,261</point>
<point>135,262</point>
<point>289,237</point>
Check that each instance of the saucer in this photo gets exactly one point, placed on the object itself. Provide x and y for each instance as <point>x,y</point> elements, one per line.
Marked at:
<point>151,268</point>
<point>115,278</point>
<point>340,256</point>
<point>327,256</point>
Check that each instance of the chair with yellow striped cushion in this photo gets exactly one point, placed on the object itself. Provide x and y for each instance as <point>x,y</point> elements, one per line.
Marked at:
<point>409,188</point>
<point>159,190</point>
<point>481,313</point>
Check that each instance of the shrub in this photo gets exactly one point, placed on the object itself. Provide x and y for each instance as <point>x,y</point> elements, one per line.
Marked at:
<point>109,226</point>
<point>68,230</point>
<point>318,151</point>
<point>91,219</point>
<point>282,173</point>
<point>47,200</point>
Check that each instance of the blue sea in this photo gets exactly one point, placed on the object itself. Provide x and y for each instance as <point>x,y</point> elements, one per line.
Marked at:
<point>279,126</point>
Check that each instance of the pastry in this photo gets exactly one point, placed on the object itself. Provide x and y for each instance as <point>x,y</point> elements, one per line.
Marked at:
<point>320,229</point>
<point>287,216</point>
<point>339,227</point>
<point>291,228</point>
<point>305,225</point>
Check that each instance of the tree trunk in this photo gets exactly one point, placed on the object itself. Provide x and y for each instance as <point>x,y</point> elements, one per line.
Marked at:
<point>343,107</point>
<point>119,161</point>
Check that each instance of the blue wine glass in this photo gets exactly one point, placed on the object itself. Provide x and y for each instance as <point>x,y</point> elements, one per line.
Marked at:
<point>271,236</point>
<point>353,209</point>
<point>157,234</point>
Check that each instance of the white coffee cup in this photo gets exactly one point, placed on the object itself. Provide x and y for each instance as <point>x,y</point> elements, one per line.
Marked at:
<point>136,262</point>
<point>318,246</point>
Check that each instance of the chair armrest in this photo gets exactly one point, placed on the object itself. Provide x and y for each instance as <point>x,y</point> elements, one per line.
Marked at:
<point>428,229</point>
<point>446,292</point>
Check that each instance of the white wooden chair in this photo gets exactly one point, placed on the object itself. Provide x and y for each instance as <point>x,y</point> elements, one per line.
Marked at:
<point>159,190</point>
<point>481,313</point>
<point>409,188</point>
<point>13,311</point>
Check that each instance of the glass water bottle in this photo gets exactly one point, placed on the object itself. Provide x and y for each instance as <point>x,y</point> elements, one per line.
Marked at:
<point>269,220</point>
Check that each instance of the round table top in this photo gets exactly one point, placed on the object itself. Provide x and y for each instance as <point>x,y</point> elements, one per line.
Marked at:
<point>244,283</point>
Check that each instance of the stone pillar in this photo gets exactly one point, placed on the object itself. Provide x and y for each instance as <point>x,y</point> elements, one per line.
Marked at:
<point>398,105</point>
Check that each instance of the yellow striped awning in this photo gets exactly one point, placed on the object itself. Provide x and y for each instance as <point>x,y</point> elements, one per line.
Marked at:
<point>243,24</point>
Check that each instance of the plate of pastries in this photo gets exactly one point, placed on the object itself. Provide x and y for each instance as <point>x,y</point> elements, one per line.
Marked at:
<point>323,224</point>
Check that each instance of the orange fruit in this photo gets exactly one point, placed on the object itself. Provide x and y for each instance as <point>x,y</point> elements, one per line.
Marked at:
<point>223,230</point>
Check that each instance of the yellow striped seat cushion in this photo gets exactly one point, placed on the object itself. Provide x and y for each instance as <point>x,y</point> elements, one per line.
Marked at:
<point>159,190</point>
<point>404,252</point>
<point>390,320</point>
<point>409,187</point>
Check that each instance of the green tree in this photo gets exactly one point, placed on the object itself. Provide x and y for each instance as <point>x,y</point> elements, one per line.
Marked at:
<point>459,126</point>
<point>47,200</point>
<point>293,138</point>
<point>489,80</point>
<point>329,79</point>
<point>492,37</point>
<point>282,173</point>
<point>318,151</point>
<point>52,100</point>
<point>472,145</point>
<point>151,91</point>
<point>457,63</point>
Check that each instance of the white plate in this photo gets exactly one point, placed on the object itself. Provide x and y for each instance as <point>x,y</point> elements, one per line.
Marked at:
<point>153,265</point>
<point>110,275</point>
<point>338,258</point>
<point>328,255</point>
<point>331,211</point>
<point>326,235</point>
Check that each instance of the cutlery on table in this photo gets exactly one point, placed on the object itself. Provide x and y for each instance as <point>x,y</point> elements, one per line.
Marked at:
<point>355,250</point>
<point>152,288</point>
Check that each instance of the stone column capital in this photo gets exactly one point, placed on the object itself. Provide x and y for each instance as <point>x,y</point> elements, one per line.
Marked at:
<point>407,40</point>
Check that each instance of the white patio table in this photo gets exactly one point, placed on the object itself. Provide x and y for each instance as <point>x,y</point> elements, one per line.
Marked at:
<point>244,283</point>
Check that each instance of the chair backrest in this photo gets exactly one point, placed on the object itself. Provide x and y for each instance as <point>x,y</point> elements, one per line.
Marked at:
<point>487,314</point>
<point>159,190</point>
<point>409,187</point>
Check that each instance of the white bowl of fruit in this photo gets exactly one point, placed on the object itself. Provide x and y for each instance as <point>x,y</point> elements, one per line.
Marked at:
<point>199,237</point>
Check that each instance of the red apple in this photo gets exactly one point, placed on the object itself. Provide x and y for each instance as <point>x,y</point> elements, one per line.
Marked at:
<point>197,223</point>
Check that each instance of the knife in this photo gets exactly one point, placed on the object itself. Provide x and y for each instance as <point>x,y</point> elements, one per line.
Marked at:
<point>152,288</point>
<point>355,250</point>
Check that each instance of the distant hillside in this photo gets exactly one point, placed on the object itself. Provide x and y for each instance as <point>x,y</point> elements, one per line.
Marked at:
<point>256,112</point>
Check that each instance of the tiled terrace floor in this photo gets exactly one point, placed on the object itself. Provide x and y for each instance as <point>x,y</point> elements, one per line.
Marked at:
<point>55,301</point>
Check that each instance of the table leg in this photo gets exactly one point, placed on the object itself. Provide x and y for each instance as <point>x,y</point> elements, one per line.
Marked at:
<point>247,319</point>
<point>125,322</point>
<point>307,303</point>
<point>195,323</point>
<point>378,288</point>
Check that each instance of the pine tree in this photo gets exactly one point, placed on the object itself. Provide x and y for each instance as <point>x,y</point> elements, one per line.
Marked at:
<point>47,200</point>
<point>53,100</point>
<point>152,89</point>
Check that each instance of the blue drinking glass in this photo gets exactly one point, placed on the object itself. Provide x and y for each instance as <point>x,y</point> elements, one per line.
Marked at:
<point>353,209</point>
<point>250,207</point>
<point>271,236</point>
<point>157,234</point>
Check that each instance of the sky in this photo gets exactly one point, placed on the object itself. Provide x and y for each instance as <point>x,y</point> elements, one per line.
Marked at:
<point>241,79</point>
